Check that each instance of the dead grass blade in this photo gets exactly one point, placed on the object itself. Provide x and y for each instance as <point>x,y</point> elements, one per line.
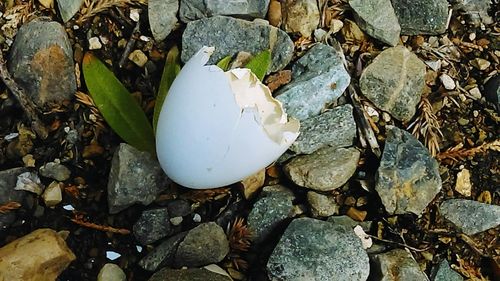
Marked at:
<point>9,206</point>
<point>90,8</point>
<point>458,153</point>
<point>427,126</point>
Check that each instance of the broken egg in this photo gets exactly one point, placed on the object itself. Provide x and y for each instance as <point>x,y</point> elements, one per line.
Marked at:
<point>217,128</point>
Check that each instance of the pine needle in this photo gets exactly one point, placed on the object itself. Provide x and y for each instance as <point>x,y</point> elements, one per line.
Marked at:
<point>90,8</point>
<point>240,239</point>
<point>9,206</point>
<point>78,219</point>
<point>458,153</point>
<point>87,100</point>
<point>427,126</point>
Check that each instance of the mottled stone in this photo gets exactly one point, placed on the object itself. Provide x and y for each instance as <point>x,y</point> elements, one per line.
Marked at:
<point>396,265</point>
<point>378,19</point>
<point>325,169</point>
<point>163,254</point>
<point>55,171</point>
<point>230,36</point>
<point>135,177</point>
<point>470,216</point>
<point>8,179</point>
<point>322,205</point>
<point>407,179</point>
<point>196,9</point>
<point>316,250</point>
<point>300,16</point>
<point>273,207</point>
<point>41,61</point>
<point>204,244</point>
<point>318,79</point>
<point>162,16</point>
<point>68,8</point>
<point>394,82</point>
<point>443,272</point>
<point>189,274</point>
<point>421,17</point>
<point>152,226</point>
<point>335,128</point>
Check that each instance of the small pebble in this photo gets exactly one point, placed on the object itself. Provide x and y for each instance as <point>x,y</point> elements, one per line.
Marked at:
<point>29,181</point>
<point>94,43</point>
<point>135,14</point>
<point>475,93</point>
<point>112,255</point>
<point>138,57</point>
<point>475,113</point>
<point>447,81</point>
<point>196,218</point>
<point>176,220</point>
<point>68,208</point>
<point>111,272</point>
<point>52,194</point>
<point>480,63</point>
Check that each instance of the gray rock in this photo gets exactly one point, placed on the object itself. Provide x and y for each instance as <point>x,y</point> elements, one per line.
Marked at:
<point>196,9</point>
<point>335,128</point>
<point>492,91</point>
<point>421,17</point>
<point>408,177</point>
<point>189,274</point>
<point>152,226</point>
<point>68,8</point>
<point>476,10</point>
<point>318,251</point>
<point>300,16</point>
<point>162,17</point>
<point>55,171</point>
<point>41,61</point>
<point>394,82</point>
<point>179,208</point>
<point>378,19</point>
<point>273,207</point>
<point>230,36</point>
<point>204,244</point>
<point>322,205</point>
<point>470,216</point>
<point>396,265</point>
<point>326,169</point>
<point>8,179</point>
<point>350,223</point>
<point>318,79</point>
<point>443,272</point>
<point>135,177</point>
<point>163,254</point>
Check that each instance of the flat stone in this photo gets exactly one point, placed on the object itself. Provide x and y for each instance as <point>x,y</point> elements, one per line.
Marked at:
<point>395,265</point>
<point>230,36</point>
<point>443,272</point>
<point>421,17</point>
<point>163,254</point>
<point>56,171</point>
<point>203,245</point>
<point>378,19</point>
<point>311,249</point>
<point>394,82</point>
<point>470,216</point>
<point>52,195</point>
<point>322,205</point>
<point>189,274</point>
<point>196,9</point>
<point>41,61</point>
<point>475,10</point>
<point>407,179</point>
<point>162,16</point>
<point>324,170</point>
<point>8,179</point>
<point>152,226</point>
<point>300,16</point>
<point>135,177</point>
<point>335,128</point>
<point>318,79</point>
<point>273,207</point>
<point>111,272</point>
<point>68,8</point>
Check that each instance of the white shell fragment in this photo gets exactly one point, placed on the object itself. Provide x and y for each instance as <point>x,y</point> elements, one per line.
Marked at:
<point>217,128</point>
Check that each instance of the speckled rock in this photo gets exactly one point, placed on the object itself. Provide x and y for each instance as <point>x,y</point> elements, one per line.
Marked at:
<point>162,15</point>
<point>443,272</point>
<point>68,8</point>
<point>470,216</point>
<point>316,250</point>
<point>407,179</point>
<point>152,226</point>
<point>396,265</point>
<point>162,255</point>
<point>322,205</point>
<point>196,9</point>
<point>8,179</point>
<point>230,36</point>
<point>318,78</point>
<point>55,171</point>
<point>272,208</point>
<point>41,61</point>
<point>204,244</point>
<point>135,177</point>
<point>325,169</point>
<point>475,10</point>
<point>421,17</point>
<point>378,19</point>
<point>190,274</point>
<point>394,82</point>
<point>335,128</point>
<point>300,16</point>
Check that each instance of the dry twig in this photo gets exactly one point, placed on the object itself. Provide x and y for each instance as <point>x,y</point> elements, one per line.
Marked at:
<point>90,8</point>
<point>87,100</point>
<point>78,219</point>
<point>427,126</point>
<point>240,238</point>
<point>458,153</point>
<point>9,206</point>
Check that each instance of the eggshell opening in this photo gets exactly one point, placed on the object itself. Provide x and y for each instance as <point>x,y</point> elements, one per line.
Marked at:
<point>217,128</point>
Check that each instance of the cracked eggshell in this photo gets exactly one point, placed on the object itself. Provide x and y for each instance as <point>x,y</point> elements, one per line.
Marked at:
<point>217,128</point>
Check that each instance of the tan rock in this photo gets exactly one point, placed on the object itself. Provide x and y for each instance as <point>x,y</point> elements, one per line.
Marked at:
<point>300,16</point>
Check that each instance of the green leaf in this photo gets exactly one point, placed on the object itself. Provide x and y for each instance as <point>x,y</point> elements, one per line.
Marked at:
<point>224,63</point>
<point>260,64</point>
<point>117,106</point>
<point>170,71</point>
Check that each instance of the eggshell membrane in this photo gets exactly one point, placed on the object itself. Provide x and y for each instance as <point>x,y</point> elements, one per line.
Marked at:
<point>212,133</point>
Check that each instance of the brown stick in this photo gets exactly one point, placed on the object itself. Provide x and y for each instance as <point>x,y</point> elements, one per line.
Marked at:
<point>130,45</point>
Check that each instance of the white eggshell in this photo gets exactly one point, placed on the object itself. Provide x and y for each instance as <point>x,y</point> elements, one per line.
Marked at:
<point>212,132</point>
